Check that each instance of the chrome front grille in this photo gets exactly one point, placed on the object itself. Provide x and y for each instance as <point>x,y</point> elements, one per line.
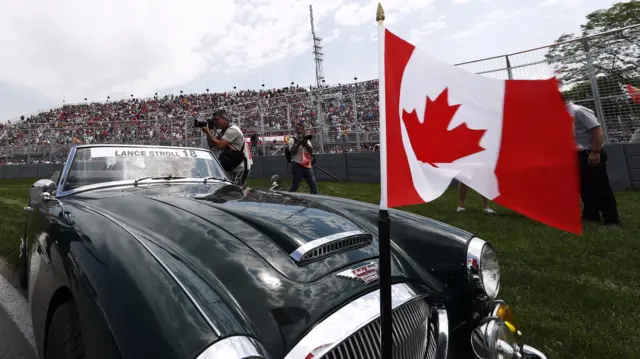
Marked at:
<point>432,348</point>
<point>413,336</point>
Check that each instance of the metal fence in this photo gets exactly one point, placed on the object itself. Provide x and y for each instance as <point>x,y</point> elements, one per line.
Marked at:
<point>599,72</point>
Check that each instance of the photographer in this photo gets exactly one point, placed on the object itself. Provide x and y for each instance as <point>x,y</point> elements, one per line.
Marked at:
<point>254,144</point>
<point>301,153</point>
<point>229,145</point>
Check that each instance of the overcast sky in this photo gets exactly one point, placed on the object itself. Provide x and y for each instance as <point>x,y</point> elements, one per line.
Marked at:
<point>69,49</point>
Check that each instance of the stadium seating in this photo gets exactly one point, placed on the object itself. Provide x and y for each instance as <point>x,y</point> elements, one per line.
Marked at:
<point>168,120</point>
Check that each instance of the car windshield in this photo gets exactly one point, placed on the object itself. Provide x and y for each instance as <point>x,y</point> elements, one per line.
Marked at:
<point>102,164</point>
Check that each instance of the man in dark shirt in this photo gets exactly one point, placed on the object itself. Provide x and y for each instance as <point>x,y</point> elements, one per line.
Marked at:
<point>596,192</point>
<point>301,166</point>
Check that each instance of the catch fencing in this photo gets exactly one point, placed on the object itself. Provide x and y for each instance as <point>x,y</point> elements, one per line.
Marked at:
<point>600,72</point>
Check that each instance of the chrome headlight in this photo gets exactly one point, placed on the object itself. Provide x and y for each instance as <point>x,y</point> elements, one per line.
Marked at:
<point>483,269</point>
<point>494,340</point>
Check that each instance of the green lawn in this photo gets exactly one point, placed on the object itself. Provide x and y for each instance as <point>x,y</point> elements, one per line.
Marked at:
<point>576,297</point>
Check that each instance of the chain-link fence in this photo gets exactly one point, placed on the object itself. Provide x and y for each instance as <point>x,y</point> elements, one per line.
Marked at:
<point>601,72</point>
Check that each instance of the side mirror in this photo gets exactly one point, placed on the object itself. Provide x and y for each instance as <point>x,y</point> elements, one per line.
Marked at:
<point>41,191</point>
<point>275,182</point>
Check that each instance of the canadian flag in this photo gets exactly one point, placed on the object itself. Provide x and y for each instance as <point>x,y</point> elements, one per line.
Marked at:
<point>510,140</point>
<point>633,93</point>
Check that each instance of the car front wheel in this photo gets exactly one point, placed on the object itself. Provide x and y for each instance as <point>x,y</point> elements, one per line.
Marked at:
<point>64,340</point>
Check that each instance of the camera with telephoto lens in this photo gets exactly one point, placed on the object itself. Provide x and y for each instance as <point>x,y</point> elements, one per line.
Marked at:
<point>199,122</point>
<point>307,137</point>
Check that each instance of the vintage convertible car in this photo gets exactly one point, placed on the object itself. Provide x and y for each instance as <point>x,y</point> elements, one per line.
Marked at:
<point>150,252</point>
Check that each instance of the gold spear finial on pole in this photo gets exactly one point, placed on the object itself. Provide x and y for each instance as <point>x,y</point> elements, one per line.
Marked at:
<point>380,13</point>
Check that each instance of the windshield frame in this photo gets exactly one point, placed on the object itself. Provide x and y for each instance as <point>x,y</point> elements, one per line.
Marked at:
<point>72,154</point>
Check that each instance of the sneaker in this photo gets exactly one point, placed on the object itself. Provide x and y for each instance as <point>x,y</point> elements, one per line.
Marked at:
<point>460,209</point>
<point>489,211</point>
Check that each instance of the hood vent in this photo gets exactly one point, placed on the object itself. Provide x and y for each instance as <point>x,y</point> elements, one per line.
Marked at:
<point>329,245</point>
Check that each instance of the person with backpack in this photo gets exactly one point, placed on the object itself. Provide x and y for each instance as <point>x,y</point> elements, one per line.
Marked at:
<point>299,153</point>
<point>229,145</point>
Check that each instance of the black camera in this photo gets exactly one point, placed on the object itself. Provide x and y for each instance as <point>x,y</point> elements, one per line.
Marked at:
<point>307,137</point>
<point>200,122</point>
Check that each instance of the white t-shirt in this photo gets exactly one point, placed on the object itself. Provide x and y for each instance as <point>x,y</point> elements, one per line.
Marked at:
<point>234,136</point>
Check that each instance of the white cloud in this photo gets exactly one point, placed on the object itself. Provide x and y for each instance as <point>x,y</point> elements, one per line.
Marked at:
<point>75,46</point>
<point>334,35</point>
<point>354,14</point>
<point>429,10</point>
<point>488,20</point>
<point>547,3</point>
<point>419,33</point>
<point>355,38</point>
<point>564,4</point>
<point>391,19</point>
<point>52,49</point>
<point>461,1</point>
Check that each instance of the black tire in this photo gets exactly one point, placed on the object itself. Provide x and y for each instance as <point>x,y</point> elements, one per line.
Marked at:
<point>64,340</point>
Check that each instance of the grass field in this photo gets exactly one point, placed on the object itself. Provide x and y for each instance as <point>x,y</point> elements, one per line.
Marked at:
<point>577,297</point>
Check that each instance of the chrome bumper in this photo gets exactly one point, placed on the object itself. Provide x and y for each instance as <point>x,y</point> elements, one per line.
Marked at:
<point>497,333</point>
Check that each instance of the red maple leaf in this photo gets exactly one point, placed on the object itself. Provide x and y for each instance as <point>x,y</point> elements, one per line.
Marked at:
<point>431,141</point>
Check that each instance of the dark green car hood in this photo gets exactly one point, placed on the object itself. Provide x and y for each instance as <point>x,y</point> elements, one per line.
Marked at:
<point>232,248</point>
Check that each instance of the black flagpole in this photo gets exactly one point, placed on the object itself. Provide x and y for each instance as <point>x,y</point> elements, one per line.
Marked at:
<point>386,321</point>
<point>384,222</point>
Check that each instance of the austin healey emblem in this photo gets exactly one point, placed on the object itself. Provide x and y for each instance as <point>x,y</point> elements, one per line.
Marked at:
<point>367,273</point>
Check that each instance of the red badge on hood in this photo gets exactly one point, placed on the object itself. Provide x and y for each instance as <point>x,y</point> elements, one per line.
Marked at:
<point>367,273</point>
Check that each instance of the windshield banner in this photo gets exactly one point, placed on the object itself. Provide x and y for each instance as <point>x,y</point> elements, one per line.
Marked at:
<point>149,152</point>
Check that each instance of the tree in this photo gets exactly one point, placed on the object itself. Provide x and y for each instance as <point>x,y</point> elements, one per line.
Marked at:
<point>615,59</point>
<point>616,54</point>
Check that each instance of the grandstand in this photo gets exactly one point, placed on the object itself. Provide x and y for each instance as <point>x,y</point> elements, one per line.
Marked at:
<point>330,113</point>
<point>342,118</point>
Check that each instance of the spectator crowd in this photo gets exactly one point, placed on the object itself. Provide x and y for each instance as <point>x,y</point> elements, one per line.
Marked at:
<point>168,120</point>
<point>334,115</point>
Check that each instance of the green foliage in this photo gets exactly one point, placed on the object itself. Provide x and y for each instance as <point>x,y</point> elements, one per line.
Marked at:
<point>615,55</point>
<point>615,60</point>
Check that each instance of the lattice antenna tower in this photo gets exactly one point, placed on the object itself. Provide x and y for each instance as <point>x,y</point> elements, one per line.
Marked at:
<point>318,55</point>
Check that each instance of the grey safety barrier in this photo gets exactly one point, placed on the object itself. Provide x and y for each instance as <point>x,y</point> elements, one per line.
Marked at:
<point>623,167</point>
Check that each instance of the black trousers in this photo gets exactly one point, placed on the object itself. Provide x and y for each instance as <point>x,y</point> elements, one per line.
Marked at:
<point>596,192</point>
<point>300,173</point>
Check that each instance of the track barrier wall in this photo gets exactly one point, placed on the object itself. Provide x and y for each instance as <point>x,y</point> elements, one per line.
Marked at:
<point>623,167</point>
